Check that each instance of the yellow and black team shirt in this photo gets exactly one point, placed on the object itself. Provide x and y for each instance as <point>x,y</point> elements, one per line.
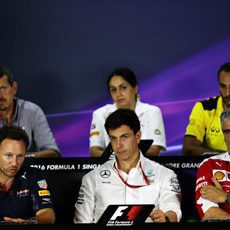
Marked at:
<point>205,125</point>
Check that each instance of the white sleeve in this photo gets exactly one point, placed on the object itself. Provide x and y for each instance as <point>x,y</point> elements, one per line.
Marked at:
<point>97,131</point>
<point>156,130</point>
<point>170,195</point>
<point>84,207</point>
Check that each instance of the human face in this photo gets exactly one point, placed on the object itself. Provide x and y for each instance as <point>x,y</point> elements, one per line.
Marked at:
<point>226,132</point>
<point>7,93</point>
<point>125,143</point>
<point>12,154</point>
<point>122,93</point>
<point>224,88</point>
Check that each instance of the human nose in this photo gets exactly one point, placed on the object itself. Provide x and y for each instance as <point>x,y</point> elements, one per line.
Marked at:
<point>118,92</point>
<point>119,142</point>
<point>14,160</point>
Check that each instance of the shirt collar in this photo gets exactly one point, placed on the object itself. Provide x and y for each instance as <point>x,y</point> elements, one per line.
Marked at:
<point>140,161</point>
<point>16,109</point>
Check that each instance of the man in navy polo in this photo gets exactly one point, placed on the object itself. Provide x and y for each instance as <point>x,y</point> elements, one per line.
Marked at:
<point>24,194</point>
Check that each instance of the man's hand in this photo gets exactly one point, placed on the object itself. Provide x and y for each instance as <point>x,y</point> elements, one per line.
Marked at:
<point>157,216</point>
<point>214,193</point>
<point>14,220</point>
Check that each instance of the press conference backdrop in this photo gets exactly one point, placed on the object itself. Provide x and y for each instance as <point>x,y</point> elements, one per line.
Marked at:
<point>61,51</point>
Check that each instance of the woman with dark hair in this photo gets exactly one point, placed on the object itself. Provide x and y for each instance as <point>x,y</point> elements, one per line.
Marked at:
<point>123,87</point>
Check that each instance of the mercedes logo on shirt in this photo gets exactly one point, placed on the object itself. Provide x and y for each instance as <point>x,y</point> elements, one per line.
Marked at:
<point>105,174</point>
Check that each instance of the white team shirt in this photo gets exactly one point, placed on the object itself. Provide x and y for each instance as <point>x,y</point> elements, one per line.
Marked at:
<point>103,186</point>
<point>151,121</point>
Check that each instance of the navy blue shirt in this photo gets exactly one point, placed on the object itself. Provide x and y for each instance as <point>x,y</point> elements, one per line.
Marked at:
<point>28,194</point>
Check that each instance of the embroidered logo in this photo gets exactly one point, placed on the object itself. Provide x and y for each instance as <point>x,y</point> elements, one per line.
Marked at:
<point>44,193</point>
<point>42,184</point>
<point>105,174</point>
<point>24,175</point>
<point>157,132</point>
<point>96,133</point>
<point>93,126</point>
<point>23,193</point>
<point>218,174</point>
<point>149,172</point>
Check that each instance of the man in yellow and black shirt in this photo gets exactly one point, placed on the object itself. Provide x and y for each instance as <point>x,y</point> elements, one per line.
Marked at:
<point>203,133</point>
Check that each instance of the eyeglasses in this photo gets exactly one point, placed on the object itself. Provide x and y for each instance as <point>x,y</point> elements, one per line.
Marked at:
<point>4,88</point>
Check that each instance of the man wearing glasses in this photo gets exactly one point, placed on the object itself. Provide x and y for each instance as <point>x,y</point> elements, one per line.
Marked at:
<point>213,181</point>
<point>29,116</point>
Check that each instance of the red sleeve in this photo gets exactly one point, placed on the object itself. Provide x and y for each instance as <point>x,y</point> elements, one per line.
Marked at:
<point>204,177</point>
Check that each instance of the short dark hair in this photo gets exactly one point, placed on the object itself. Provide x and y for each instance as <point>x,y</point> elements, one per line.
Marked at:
<point>225,67</point>
<point>122,117</point>
<point>125,73</point>
<point>5,72</point>
<point>13,133</point>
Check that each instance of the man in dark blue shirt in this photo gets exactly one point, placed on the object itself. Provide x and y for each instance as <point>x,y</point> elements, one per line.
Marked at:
<point>24,194</point>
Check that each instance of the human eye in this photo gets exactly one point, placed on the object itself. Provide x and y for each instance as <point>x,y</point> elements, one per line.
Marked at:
<point>21,156</point>
<point>221,85</point>
<point>123,87</point>
<point>112,89</point>
<point>112,139</point>
<point>3,88</point>
<point>125,136</point>
<point>8,154</point>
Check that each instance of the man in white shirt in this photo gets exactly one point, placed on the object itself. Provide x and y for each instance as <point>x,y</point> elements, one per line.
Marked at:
<point>129,178</point>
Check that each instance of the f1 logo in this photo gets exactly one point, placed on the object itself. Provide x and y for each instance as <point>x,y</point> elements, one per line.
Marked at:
<point>119,212</point>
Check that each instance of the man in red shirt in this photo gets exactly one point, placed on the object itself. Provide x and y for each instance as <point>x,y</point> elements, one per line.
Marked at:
<point>213,180</point>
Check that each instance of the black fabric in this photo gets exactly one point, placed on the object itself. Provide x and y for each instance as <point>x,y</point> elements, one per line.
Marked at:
<point>210,103</point>
<point>23,198</point>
